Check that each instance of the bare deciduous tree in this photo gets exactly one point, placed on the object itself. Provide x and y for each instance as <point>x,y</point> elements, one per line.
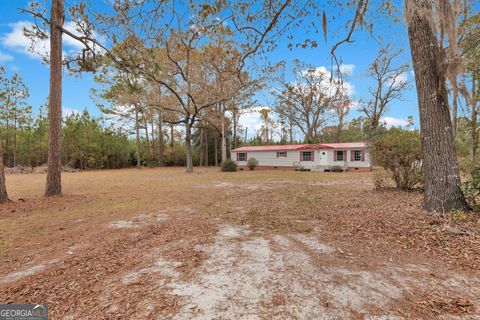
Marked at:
<point>341,108</point>
<point>430,25</point>
<point>308,99</point>
<point>268,125</point>
<point>390,84</point>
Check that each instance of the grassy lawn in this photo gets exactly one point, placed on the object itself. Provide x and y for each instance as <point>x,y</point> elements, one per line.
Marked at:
<point>156,243</point>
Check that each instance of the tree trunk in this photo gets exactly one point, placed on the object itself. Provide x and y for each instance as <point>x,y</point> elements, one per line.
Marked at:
<point>206,148</point>
<point>224,141</point>
<point>201,147</point>
<point>215,147</point>
<point>443,191</point>
<point>15,143</point>
<point>137,139</point>
<point>172,139</point>
<point>160,138</point>
<point>152,132</point>
<point>454,111</point>
<point>339,129</point>
<point>474,123</point>
<point>235,128</point>
<point>147,138</point>
<point>188,146</point>
<point>290,129</point>
<point>54,171</point>
<point>3,188</point>
<point>229,151</point>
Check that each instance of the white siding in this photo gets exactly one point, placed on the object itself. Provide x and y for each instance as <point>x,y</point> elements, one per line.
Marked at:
<point>347,161</point>
<point>269,158</point>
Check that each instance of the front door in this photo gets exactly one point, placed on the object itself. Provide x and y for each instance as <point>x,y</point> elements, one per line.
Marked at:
<point>323,157</point>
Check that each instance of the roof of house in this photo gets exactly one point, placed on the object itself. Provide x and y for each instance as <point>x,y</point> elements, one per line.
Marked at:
<point>341,145</point>
<point>284,147</point>
<point>272,148</point>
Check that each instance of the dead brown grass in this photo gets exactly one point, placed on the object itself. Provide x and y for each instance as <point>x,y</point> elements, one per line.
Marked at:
<point>371,227</point>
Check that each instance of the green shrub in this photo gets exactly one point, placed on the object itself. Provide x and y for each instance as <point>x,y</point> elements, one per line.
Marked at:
<point>229,165</point>
<point>174,155</point>
<point>458,216</point>
<point>252,163</point>
<point>471,189</point>
<point>399,153</point>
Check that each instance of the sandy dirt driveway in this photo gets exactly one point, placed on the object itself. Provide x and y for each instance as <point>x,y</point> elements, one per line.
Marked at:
<point>163,244</point>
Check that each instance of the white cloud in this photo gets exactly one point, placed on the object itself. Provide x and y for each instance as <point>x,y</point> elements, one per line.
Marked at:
<point>67,111</point>
<point>355,104</point>
<point>394,122</point>
<point>331,84</point>
<point>17,41</point>
<point>69,41</point>
<point>400,79</point>
<point>5,57</point>
<point>347,69</point>
<point>251,120</point>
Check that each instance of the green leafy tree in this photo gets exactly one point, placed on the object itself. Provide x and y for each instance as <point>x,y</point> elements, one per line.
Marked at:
<point>399,153</point>
<point>88,143</point>
<point>15,114</point>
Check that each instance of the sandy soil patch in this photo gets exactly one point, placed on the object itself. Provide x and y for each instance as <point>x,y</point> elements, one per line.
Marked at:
<point>277,279</point>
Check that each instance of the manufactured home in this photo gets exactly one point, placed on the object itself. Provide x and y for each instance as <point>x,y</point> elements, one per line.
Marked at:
<point>351,156</point>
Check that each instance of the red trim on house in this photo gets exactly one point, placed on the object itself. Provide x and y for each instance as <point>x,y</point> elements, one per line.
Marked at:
<point>352,155</point>
<point>363,155</point>
<point>346,145</point>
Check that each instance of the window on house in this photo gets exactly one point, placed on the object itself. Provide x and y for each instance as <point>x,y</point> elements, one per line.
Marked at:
<point>281,154</point>
<point>242,156</point>
<point>339,156</point>
<point>357,155</point>
<point>307,156</point>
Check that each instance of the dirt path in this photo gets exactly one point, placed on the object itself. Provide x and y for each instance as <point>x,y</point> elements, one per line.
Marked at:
<point>255,248</point>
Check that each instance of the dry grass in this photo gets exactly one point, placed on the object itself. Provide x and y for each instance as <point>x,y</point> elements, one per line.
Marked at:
<point>369,228</point>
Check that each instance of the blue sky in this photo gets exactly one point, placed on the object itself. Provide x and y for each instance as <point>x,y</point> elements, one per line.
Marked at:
<point>76,90</point>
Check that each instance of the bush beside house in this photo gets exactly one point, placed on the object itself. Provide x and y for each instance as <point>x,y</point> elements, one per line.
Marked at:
<point>229,165</point>
<point>252,163</point>
<point>399,153</point>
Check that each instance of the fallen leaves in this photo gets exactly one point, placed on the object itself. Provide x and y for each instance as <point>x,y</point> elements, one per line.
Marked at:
<point>366,228</point>
<point>436,303</point>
